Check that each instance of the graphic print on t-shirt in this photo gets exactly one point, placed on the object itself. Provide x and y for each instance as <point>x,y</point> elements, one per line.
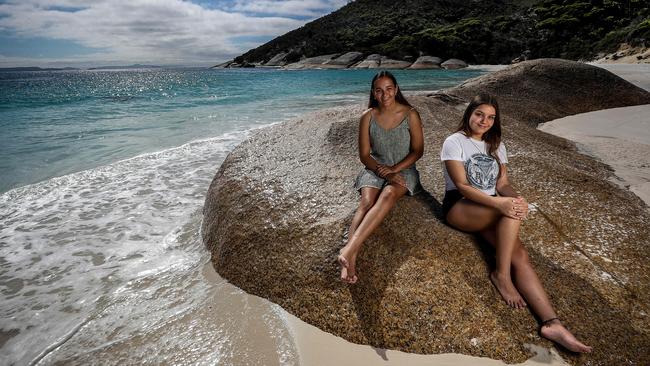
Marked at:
<point>482,171</point>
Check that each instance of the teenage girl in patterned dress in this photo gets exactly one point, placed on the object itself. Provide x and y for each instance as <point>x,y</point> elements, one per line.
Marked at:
<point>390,142</point>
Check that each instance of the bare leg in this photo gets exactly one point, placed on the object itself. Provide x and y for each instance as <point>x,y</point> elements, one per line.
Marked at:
<point>473,217</point>
<point>387,199</point>
<point>529,285</point>
<point>507,230</point>
<point>369,196</point>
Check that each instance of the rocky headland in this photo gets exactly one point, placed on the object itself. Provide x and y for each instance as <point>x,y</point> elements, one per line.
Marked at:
<point>277,211</point>
<point>349,60</point>
<point>478,32</point>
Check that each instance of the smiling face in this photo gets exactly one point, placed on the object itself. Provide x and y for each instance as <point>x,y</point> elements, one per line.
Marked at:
<point>481,120</point>
<point>384,91</point>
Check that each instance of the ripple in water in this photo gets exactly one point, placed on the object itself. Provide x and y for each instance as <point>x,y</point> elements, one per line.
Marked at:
<point>107,264</point>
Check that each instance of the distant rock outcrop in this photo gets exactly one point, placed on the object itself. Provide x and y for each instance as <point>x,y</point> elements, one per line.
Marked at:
<point>312,62</point>
<point>222,65</point>
<point>453,63</point>
<point>277,211</point>
<point>387,63</point>
<point>344,60</point>
<point>351,59</point>
<point>426,62</point>
<point>371,62</point>
<point>278,60</point>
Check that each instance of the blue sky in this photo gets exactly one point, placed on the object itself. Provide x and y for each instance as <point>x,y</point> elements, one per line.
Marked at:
<point>56,33</point>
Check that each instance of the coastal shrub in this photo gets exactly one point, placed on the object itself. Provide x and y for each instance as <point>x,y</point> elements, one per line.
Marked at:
<point>476,31</point>
<point>469,39</point>
<point>400,47</point>
<point>640,34</point>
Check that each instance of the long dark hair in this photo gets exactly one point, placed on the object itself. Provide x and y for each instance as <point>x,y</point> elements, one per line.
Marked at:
<point>493,136</point>
<point>373,103</point>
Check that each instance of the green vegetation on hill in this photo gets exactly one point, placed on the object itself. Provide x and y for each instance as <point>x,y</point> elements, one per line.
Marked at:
<point>494,31</point>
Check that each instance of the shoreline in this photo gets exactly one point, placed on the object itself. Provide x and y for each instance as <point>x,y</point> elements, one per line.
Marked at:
<point>317,347</point>
<point>617,137</point>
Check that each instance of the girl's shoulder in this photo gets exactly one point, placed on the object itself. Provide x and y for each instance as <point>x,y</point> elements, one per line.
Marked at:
<point>367,114</point>
<point>456,136</point>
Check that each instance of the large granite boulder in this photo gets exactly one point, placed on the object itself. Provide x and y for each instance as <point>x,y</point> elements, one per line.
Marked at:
<point>277,60</point>
<point>371,62</point>
<point>223,65</point>
<point>388,63</point>
<point>453,64</point>
<point>311,62</point>
<point>426,62</point>
<point>277,211</point>
<point>343,61</point>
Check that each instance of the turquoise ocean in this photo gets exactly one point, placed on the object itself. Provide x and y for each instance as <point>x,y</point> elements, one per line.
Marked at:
<point>103,175</point>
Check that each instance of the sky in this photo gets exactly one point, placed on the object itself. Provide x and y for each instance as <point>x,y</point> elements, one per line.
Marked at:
<point>76,33</point>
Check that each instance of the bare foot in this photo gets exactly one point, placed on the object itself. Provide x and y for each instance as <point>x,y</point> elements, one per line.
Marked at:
<point>557,333</point>
<point>347,274</point>
<point>507,290</point>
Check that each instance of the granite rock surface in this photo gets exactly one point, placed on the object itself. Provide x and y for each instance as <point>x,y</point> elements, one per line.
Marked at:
<point>311,62</point>
<point>426,62</point>
<point>344,61</point>
<point>453,63</point>
<point>278,209</point>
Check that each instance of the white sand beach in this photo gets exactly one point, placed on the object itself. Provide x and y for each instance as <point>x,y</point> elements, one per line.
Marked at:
<point>619,137</point>
<point>316,347</point>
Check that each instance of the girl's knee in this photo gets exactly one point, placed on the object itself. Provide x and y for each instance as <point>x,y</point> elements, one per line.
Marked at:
<point>389,195</point>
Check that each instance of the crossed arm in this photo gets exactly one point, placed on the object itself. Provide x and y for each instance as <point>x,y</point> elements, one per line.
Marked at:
<point>508,202</point>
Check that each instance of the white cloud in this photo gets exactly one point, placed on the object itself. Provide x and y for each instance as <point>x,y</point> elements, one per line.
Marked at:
<point>309,8</point>
<point>164,32</point>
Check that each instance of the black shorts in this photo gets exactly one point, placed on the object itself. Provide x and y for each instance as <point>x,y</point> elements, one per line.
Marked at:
<point>451,197</point>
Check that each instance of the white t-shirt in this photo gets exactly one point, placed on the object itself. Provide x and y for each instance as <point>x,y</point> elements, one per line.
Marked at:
<point>481,169</point>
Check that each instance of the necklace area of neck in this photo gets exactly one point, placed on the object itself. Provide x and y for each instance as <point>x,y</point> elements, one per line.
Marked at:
<point>482,151</point>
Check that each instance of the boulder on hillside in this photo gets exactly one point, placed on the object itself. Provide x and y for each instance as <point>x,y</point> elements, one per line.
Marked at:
<point>371,62</point>
<point>223,65</point>
<point>277,60</point>
<point>311,62</point>
<point>426,62</point>
<point>387,63</point>
<point>276,214</point>
<point>343,61</point>
<point>453,63</point>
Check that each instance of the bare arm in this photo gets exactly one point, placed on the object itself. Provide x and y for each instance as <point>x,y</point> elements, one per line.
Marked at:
<point>505,189</point>
<point>506,205</point>
<point>364,143</point>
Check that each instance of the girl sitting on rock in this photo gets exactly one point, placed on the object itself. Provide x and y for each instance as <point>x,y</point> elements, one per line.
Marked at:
<point>479,199</point>
<point>390,142</point>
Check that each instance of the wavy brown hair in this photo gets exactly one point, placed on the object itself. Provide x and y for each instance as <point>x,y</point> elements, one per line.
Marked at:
<point>373,103</point>
<point>493,136</point>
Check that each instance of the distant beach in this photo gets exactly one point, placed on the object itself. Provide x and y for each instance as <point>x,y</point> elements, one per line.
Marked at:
<point>618,137</point>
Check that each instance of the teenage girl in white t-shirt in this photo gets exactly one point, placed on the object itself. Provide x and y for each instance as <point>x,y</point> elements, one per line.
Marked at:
<point>480,199</point>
